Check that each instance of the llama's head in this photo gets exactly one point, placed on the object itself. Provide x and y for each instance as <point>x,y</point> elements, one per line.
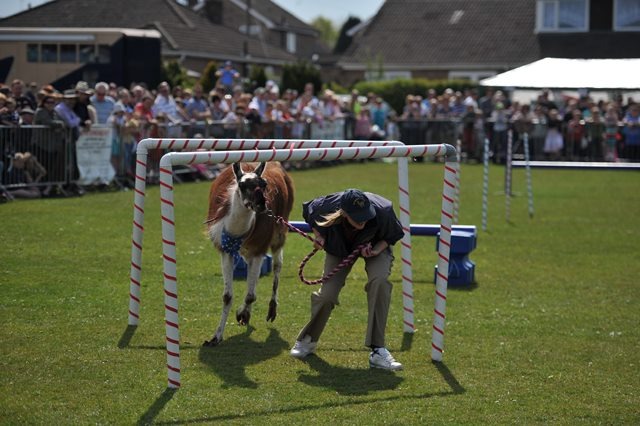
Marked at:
<point>251,187</point>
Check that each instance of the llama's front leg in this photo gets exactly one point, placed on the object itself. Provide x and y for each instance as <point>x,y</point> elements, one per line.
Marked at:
<point>277,267</point>
<point>227,298</point>
<point>243,314</point>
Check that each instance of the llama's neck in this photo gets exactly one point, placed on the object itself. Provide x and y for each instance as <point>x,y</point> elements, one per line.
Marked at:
<point>240,219</point>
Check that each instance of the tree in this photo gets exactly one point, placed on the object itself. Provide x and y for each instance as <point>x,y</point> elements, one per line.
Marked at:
<point>174,74</point>
<point>343,39</point>
<point>257,77</point>
<point>295,76</point>
<point>208,78</point>
<point>328,33</point>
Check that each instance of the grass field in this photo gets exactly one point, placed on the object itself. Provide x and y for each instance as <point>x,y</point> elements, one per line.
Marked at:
<point>549,334</point>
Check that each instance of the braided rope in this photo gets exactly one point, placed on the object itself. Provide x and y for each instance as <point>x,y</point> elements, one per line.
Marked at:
<point>349,260</point>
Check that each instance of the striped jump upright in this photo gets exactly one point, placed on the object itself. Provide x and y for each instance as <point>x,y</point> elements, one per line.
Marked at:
<point>444,248</point>
<point>408,324</point>
<point>507,180</point>
<point>170,275</point>
<point>456,204</point>
<point>527,166</point>
<point>485,184</point>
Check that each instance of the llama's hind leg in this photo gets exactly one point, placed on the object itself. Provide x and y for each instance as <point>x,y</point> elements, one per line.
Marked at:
<point>277,267</point>
<point>227,298</point>
<point>243,314</point>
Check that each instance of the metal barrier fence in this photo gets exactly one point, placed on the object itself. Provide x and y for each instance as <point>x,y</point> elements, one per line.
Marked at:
<point>52,163</point>
<point>36,159</point>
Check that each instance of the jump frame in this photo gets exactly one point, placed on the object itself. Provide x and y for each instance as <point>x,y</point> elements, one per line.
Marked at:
<point>297,154</point>
<point>252,144</point>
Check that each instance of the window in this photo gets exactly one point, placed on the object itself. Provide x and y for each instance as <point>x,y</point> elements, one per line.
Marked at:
<point>49,53</point>
<point>104,54</point>
<point>68,53</point>
<point>627,15</point>
<point>291,42</point>
<point>562,15</point>
<point>87,53</point>
<point>33,53</point>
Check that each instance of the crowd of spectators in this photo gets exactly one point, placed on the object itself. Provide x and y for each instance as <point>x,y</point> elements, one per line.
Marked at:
<point>569,128</point>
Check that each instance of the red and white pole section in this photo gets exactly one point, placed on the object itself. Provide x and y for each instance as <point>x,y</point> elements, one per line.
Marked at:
<point>456,204</point>
<point>485,184</point>
<point>527,166</point>
<point>408,324</point>
<point>170,273</point>
<point>444,248</point>
<point>507,185</point>
<point>137,234</point>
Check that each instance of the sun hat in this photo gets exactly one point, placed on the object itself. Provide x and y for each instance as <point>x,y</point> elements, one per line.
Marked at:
<point>356,204</point>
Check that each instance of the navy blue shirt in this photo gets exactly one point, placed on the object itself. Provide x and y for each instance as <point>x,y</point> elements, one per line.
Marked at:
<point>340,239</point>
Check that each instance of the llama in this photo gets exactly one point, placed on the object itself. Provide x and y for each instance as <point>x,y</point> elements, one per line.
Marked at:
<point>243,201</point>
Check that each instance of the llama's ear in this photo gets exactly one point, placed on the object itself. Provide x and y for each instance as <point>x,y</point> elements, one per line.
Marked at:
<point>237,170</point>
<point>258,171</point>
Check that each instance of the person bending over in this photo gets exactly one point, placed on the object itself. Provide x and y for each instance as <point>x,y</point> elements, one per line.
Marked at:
<point>341,222</point>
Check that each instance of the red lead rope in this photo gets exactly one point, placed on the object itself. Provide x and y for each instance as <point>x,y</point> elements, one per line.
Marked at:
<point>349,260</point>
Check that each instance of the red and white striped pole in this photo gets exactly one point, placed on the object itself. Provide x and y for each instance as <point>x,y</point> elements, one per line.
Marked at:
<point>408,324</point>
<point>444,248</point>
<point>315,154</point>
<point>170,275</point>
<point>193,145</point>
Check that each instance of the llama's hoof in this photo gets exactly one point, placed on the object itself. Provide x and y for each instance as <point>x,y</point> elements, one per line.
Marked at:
<point>243,317</point>
<point>213,342</point>
<point>273,311</point>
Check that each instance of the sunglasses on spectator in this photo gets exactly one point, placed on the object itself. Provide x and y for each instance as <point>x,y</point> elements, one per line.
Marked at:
<point>50,101</point>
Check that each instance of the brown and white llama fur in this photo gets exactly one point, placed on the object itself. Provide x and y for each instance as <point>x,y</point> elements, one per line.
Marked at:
<point>239,200</point>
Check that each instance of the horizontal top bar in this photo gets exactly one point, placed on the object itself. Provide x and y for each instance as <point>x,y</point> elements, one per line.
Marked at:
<point>315,154</point>
<point>418,229</point>
<point>232,144</point>
<point>579,165</point>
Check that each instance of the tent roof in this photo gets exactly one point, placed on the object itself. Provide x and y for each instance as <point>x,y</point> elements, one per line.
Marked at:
<point>571,73</point>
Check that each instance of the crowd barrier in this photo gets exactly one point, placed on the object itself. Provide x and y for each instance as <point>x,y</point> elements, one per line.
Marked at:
<point>52,163</point>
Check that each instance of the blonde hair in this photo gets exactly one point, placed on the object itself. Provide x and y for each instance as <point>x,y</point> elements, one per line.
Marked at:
<point>332,218</point>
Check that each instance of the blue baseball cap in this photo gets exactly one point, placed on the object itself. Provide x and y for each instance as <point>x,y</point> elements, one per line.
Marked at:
<point>356,204</point>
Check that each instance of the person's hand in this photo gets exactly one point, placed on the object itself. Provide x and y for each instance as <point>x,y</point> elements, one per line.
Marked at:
<point>318,243</point>
<point>367,251</point>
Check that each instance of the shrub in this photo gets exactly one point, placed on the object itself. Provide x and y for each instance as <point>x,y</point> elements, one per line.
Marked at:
<point>395,91</point>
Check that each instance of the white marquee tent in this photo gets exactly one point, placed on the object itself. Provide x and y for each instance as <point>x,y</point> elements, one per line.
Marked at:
<point>571,73</point>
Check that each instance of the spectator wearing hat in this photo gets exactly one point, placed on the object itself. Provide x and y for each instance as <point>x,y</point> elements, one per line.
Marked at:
<point>66,113</point>
<point>9,114</point>
<point>50,147</point>
<point>341,223</point>
<point>26,116</point>
<point>227,76</point>
<point>102,102</point>
<point>83,107</point>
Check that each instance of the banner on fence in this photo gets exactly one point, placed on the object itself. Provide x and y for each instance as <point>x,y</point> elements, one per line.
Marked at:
<point>93,151</point>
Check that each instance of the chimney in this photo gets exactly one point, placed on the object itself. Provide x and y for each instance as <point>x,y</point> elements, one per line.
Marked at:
<point>213,10</point>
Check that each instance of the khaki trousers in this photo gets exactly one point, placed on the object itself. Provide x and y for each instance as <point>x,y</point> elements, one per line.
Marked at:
<point>378,290</point>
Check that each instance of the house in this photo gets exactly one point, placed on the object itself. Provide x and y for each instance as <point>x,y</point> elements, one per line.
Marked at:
<point>475,39</point>
<point>193,34</point>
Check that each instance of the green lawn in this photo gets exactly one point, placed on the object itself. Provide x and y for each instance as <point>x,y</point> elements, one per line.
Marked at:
<point>549,334</point>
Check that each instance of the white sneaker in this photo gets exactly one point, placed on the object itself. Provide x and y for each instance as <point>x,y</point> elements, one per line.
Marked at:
<point>382,358</point>
<point>303,347</point>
